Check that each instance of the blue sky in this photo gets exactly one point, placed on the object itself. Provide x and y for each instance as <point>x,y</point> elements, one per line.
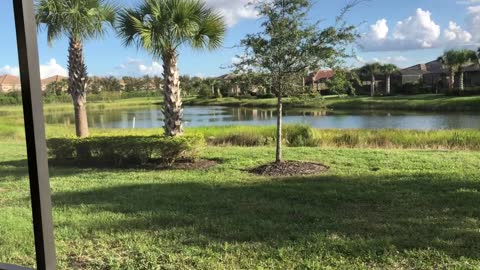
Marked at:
<point>401,32</point>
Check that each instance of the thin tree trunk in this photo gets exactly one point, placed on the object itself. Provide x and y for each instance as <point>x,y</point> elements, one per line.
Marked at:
<point>452,79</point>
<point>461,81</point>
<point>278,155</point>
<point>388,84</point>
<point>372,86</point>
<point>77,83</point>
<point>173,110</point>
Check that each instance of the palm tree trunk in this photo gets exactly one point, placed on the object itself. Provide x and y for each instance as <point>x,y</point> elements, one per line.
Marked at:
<point>278,155</point>
<point>461,81</point>
<point>452,79</point>
<point>172,111</point>
<point>372,86</point>
<point>77,82</point>
<point>388,84</point>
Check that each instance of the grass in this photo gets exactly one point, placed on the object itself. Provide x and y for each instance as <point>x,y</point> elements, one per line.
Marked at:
<point>383,209</point>
<point>429,102</point>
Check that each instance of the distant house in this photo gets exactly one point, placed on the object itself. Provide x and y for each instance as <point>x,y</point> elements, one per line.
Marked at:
<point>435,75</point>
<point>53,79</point>
<point>122,84</point>
<point>9,83</point>
<point>472,76</point>
<point>318,79</point>
<point>233,87</point>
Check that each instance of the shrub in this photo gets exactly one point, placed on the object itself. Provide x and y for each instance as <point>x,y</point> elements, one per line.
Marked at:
<point>299,135</point>
<point>126,150</point>
<point>241,139</point>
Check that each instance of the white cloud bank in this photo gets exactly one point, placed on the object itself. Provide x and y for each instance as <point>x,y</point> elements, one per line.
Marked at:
<point>51,68</point>
<point>234,10</point>
<point>418,32</point>
<point>138,67</point>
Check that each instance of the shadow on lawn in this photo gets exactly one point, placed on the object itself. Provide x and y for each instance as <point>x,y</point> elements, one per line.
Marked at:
<point>353,216</point>
<point>18,170</point>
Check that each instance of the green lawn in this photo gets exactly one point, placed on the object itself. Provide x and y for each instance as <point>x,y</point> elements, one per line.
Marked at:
<point>384,209</point>
<point>416,102</point>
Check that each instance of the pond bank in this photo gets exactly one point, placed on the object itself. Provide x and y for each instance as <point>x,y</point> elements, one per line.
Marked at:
<point>432,103</point>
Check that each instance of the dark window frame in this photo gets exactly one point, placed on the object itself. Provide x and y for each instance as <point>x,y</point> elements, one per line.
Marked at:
<point>26,31</point>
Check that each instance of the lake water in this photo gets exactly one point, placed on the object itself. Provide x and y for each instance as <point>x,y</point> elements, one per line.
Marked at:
<point>151,117</point>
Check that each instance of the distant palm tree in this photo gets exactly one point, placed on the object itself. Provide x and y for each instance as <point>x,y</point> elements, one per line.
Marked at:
<point>389,70</point>
<point>78,20</point>
<point>161,27</point>
<point>456,61</point>
<point>371,70</point>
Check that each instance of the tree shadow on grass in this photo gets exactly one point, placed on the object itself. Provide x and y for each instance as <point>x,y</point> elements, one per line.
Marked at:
<point>372,214</point>
<point>18,170</point>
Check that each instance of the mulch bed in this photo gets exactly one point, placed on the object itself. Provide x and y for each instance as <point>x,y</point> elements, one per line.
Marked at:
<point>290,168</point>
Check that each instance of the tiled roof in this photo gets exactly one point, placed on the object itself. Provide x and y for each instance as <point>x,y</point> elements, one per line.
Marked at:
<point>9,79</point>
<point>319,75</point>
<point>52,79</point>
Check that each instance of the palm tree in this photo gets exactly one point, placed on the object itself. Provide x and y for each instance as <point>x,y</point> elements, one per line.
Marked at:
<point>161,27</point>
<point>389,70</point>
<point>456,61</point>
<point>78,20</point>
<point>371,70</point>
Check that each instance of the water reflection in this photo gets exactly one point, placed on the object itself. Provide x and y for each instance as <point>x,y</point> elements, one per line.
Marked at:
<point>148,117</point>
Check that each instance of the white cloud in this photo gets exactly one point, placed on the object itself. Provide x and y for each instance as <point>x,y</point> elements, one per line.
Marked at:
<point>468,2</point>
<point>397,60</point>
<point>473,22</point>
<point>51,68</point>
<point>379,30</point>
<point>138,67</point>
<point>9,70</point>
<point>416,32</point>
<point>155,69</point>
<point>234,10</point>
<point>454,33</point>
<point>420,29</point>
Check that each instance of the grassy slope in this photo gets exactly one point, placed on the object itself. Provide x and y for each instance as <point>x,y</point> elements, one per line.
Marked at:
<point>385,209</point>
<point>417,102</point>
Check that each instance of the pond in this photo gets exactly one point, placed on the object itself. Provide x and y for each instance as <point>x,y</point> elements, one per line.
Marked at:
<point>194,116</point>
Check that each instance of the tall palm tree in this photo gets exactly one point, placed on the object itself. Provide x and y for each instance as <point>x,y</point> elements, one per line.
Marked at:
<point>389,70</point>
<point>371,70</point>
<point>161,27</point>
<point>78,20</point>
<point>456,61</point>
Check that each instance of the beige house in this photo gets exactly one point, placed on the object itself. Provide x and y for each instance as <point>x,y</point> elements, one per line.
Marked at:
<point>317,80</point>
<point>53,79</point>
<point>9,83</point>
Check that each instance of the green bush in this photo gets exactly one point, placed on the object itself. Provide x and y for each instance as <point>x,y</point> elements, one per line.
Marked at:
<point>126,150</point>
<point>241,139</point>
<point>299,135</point>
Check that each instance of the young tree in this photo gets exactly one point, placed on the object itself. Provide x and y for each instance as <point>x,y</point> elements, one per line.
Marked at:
<point>371,70</point>
<point>57,88</point>
<point>111,84</point>
<point>341,83</point>
<point>388,70</point>
<point>288,46</point>
<point>78,20</point>
<point>161,27</point>
<point>456,61</point>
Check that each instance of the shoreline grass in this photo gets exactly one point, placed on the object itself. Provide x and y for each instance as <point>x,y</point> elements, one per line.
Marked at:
<point>11,129</point>
<point>382,209</point>
<point>429,102</point>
